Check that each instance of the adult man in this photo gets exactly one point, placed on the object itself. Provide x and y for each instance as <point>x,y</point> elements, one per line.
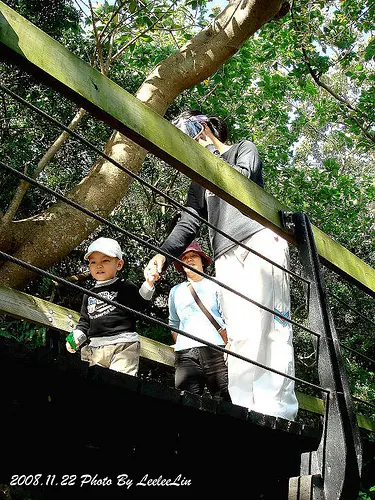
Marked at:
<point>252,331</point>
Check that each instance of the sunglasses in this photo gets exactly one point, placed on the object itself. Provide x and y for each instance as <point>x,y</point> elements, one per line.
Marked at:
<point>192,128</point>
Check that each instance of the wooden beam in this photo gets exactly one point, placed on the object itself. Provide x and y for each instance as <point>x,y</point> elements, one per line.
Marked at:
<point>316,405</point>
<point>310,403</point>
<point>366,423</point>
<point>20,305</point>
<point>39,54</point>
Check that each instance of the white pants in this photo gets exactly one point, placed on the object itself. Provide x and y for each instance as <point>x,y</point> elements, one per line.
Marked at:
<point>255,333</point>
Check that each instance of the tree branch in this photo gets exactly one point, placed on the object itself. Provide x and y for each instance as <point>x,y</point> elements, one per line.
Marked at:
<point>24,186</point>
<point>98,44</point>
<point>336,96</point>
<point>61,228</point>
<point>149,28</point>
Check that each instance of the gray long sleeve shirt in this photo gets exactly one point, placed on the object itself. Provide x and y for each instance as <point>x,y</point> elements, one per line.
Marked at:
<point>243,157</point>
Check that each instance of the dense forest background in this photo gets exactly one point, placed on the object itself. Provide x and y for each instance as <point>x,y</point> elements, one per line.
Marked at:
<point>301,88</point>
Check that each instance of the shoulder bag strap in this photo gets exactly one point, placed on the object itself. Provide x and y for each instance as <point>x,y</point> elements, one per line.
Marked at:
<point>200,304</point>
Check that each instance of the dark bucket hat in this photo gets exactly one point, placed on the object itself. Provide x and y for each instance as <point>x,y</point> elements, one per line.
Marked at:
<point>193,247</point>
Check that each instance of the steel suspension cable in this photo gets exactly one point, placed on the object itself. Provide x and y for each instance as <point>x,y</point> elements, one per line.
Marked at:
<point>357,353</point>
<point>42,272</point>
<point>354,351</point>
<point>101,219</point>
<point>352,308</point>
<point>142,181</point>
<point>364,402</point>
<point>177,204</point>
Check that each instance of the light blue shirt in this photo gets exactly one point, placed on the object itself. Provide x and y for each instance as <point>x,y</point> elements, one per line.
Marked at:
<point>186,315</point>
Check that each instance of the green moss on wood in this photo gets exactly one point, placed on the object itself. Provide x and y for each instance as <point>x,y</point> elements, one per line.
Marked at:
<point>109,102</point>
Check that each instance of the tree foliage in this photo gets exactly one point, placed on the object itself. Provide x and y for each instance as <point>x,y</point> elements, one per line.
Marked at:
<point>302,88</point>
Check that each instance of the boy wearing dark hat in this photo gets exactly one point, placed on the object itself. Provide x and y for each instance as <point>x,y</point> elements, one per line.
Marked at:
<point>198,365</point>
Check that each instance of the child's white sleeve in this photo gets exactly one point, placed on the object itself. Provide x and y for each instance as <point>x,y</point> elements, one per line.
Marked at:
<point>146,291</point>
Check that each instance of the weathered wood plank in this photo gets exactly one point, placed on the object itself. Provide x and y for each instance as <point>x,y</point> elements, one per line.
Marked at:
<point>344,262</point>
<point>366,423</point>
<point>41,312</point>
<point>310,403</point>
<point>37,52</point>
<point>156,351</point>
<point>316,405</point>
<point>20,305</point>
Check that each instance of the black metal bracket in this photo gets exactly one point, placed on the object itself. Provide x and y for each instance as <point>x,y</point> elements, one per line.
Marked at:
<point>286,219</point>
<point>338,459</point>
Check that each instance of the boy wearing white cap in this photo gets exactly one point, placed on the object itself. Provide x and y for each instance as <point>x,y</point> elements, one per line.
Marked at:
<point>112,338</point>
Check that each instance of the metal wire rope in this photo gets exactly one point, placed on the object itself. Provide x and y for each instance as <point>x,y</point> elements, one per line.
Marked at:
<point>142,181</point>
<point>150,245</point>
<point>367,403</point>
<point>42,272</point>
<point>352,308</point>
<point>354,351</point>
<point>357,352</point>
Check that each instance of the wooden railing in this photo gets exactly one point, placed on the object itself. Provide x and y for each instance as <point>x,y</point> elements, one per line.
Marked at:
<point>39,54</point>
<point>41,312</point>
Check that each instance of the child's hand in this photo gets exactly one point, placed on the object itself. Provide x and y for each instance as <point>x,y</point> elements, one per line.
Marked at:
<point>74,340</point>
<point>152,280</point>
<point>69,348</point>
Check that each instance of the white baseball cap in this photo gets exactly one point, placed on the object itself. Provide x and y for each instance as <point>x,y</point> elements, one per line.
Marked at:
<point>108,246</point>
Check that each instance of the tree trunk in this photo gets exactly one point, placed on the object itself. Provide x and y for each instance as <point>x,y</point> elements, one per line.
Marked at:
<point>47,238</point>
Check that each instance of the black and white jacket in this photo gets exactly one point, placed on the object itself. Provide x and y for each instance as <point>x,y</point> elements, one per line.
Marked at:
<point>104,323</point>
